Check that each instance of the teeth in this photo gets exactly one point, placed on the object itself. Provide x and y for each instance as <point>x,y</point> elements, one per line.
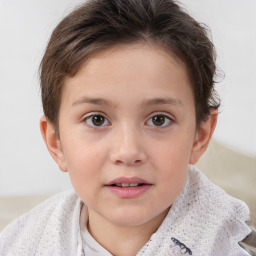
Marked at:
<point>127,185</point>
<point>134,184</point>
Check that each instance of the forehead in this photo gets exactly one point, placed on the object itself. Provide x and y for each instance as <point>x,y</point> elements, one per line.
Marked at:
<point>128,70</point>
<point>131,56</point>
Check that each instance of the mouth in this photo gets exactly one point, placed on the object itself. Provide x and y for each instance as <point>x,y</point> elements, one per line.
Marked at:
<point>128,182</point>
<point>128,187</point>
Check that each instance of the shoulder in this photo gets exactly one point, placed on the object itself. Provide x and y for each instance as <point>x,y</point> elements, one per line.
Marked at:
<point>220,205</point>
<point>44,211</point>
<point>211,220</point>
<point>222,216</point>
<point>26,233</point>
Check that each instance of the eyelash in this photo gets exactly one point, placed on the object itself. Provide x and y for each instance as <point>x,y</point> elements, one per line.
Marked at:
<point>166,118</point>
<point>89,121</point>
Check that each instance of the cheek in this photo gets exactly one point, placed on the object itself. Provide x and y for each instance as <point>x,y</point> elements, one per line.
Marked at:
<point>82,153</point>
<point>171,162</point>
<point>172,170</point>
<point>174,153</point>
<point>84,163</point>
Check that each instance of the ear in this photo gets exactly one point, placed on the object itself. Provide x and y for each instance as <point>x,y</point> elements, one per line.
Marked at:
<point>203,137</point>
<point>52,142</point>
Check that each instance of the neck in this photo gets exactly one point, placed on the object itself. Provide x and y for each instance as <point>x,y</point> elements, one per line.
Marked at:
<point>122,240</point>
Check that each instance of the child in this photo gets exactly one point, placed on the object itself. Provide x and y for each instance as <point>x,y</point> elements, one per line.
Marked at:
<point>129,103</point>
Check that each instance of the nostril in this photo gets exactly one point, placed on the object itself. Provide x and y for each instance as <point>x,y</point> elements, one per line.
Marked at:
<point>128,158</point>
<point>118,162</point>
<point>129,163</point>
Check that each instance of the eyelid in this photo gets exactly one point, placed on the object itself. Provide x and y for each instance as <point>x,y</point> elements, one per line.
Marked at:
<point>91,114</point>
<point>165,114</point>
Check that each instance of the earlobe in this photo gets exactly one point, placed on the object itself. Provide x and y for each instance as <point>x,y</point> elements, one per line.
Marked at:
<point>52,142</point>
<point>203,137</point>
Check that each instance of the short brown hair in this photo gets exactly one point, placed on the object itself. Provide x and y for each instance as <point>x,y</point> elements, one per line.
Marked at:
<point>99,24</point>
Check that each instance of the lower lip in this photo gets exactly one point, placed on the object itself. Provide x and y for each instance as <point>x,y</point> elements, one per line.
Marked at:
<point>129,192</point>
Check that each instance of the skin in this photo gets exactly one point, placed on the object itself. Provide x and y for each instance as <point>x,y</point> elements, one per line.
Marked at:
<point>128,86</point>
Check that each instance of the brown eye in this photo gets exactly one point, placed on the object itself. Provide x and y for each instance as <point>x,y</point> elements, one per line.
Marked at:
<point>159,121</point>
<point>97,121</point>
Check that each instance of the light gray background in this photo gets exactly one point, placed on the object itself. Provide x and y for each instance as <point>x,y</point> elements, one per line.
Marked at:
<point>25,27</point>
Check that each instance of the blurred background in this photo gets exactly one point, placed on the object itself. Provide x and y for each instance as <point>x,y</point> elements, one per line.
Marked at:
<point>27,169</point>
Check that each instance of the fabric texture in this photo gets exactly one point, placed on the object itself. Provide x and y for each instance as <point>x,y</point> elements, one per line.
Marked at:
<point>203,221</point>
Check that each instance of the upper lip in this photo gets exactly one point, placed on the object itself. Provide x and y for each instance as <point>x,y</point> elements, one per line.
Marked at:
<point>127,180</point>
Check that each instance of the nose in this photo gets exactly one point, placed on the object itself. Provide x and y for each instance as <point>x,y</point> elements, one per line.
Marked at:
<point>128,148</point>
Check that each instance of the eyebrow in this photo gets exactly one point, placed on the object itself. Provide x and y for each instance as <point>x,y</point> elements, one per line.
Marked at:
<point>95,101</point>
<point>147,102</point>
<point>162,101</point>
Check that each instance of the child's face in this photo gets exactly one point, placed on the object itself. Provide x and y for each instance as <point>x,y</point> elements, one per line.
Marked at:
<point>128,116</point>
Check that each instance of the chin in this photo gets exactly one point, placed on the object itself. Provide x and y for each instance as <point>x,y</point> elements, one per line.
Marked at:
<point>128,217</point>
